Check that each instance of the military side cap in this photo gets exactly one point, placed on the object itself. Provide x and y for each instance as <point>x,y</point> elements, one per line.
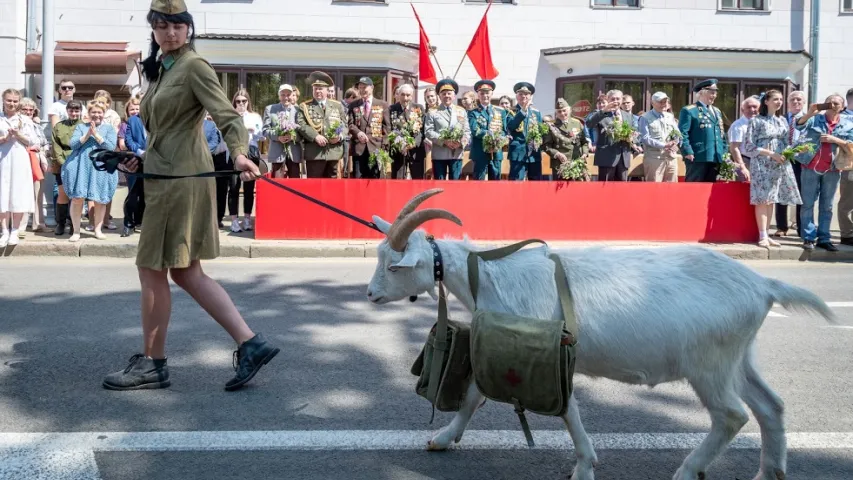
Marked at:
<point>562,103</point>
<point>169,7</point>
<point>705,84</point>
<point>447,84</point>
<point>320,78</point>
<point>487,84</point>
<point>524,87</point>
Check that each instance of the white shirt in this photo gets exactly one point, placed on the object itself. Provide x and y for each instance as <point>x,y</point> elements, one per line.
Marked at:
<point>737,132</point>
<point>253,120</point>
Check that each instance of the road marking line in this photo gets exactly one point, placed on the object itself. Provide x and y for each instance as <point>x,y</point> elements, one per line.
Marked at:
<point>382,440</point>
<point>840,304</point>
<point>842,327</point>
<point>775,314</point>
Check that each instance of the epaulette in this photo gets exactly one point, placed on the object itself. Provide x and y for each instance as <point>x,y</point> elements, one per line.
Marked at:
<point>691,106</point>
<point>498,107</point>
<point>332,100</point>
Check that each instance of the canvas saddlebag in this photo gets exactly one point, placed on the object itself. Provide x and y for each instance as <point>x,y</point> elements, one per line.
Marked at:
<point>525,362</point>
<point>443,367</point>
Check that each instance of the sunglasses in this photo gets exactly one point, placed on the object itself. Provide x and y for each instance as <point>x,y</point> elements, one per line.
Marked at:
<point>67,87</point>
<point>241,101</point>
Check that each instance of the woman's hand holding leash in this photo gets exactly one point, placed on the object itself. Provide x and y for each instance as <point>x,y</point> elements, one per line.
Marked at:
<point>249,169</point>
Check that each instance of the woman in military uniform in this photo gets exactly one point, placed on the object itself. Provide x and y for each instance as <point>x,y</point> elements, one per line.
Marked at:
<point>180,215</point>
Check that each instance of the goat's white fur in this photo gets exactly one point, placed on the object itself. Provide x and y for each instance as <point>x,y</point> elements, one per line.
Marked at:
<point>646,316</point>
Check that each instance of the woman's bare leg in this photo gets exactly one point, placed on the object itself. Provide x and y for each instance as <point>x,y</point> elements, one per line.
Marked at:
<point>76,214</point>
<point>100,211</point>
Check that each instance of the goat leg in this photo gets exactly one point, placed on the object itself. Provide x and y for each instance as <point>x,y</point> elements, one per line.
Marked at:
<point>453,432</point>
<point>585,455</point>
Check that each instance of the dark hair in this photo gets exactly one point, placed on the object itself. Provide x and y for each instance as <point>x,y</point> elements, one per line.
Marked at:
<point>151,65</point>
<point>74,105</point>
<point>762,109</point>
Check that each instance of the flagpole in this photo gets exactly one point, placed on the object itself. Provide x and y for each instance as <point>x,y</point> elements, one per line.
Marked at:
<point>436,62</point>
<point>469,45</point>
<point>431,52</point>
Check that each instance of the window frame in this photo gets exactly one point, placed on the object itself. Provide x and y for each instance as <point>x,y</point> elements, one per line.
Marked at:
<point>842,10</point>
<point>765,7</point>
<point>593,5</point>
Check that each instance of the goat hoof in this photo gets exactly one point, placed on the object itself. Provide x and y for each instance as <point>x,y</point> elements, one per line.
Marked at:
<point>434,447</point>
<point>701,476</point>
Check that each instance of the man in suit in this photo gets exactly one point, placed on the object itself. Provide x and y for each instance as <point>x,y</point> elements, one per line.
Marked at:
<point>285,151</point>
<point>701,126</point>
<point>613,158</point>
<point>323,124</point>
<point>407,114</point>
<point>524,160</point>
<point>485,117</point>
<point>367,127</point>
<point>566,139</point>
<point>447,154</point>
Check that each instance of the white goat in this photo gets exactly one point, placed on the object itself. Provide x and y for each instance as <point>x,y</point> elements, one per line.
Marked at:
<point>646,316</point>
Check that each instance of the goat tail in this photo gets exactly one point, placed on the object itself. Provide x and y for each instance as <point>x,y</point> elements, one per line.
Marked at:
<point>799,299</point>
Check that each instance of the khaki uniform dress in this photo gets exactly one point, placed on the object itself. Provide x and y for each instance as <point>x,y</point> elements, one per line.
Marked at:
<point>180,215</point>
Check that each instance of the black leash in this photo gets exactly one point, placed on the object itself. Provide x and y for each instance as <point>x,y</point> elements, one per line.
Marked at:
<point>110,161</point>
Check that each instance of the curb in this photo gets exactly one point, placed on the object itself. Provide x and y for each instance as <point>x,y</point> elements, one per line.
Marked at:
<point>367,249</point>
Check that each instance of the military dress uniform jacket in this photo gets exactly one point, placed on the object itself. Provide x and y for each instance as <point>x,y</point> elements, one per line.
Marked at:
<point>568,138</point>
<point>277,153</point>
<point>414,113</point>
<point>518,125</point>
<point>372,123</point>
<point>702,132</point>
<point>481,120</point>
<point>313,120</point>
<point>180,215</point>
<point>444,118</point>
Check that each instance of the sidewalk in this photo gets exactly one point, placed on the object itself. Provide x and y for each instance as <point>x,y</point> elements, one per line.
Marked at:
<point>243,245</point>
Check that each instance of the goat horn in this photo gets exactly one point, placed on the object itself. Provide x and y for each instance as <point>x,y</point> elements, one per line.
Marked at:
<point>399,233</point>
<point>415,202</point>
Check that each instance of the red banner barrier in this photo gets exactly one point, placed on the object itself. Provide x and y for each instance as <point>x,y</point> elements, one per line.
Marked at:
<point>506,210</point>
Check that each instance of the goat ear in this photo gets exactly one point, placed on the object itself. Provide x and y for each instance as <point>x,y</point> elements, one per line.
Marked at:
<point>384,226</point>
<point>410,260</point>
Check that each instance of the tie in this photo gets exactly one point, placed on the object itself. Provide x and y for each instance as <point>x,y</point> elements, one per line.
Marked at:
<point>791,130</point>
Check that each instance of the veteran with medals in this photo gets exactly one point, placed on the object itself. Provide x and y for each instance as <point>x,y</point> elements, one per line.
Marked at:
<point>524,124</point>
<point>406,119</point>
<point>488,133</point>
<point>448,129</point>
<point>322,124</point>
<point>704,141</point>
<point>180,214</point>
<point>566,140</point>
<point>366,123</point>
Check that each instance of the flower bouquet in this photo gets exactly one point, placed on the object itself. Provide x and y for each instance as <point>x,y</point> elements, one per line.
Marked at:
<point>334,130</point>
<point>382,158</point>
<point>573,170</point>
<point>535,136</point>
<point>402,136</point>
<point>451,134</point>
<point>621,131</point>
<point>727,169</point>
<point>494,142</point>
<point>675,134</point>
<point>791,152</point>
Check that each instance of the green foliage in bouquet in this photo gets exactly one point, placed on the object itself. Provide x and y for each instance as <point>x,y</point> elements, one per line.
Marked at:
<point>535,136</point>
<point>791,152</point>
<point>381,157</point>
<point>451,134</point>
<point>727,169</point>
<point>494,141</point>
<point>622,132</point>
<point>573,170</point>
<point>335,129</point>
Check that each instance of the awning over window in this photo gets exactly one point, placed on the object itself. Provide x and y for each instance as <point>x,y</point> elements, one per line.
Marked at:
<point>87,58</point>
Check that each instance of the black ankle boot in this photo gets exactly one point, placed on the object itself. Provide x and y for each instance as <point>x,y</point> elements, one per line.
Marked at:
<point>141,373</point>
<point>248,359</point>
<point>61,218</point>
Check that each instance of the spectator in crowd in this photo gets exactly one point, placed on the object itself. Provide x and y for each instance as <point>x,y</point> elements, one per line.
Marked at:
<point>796,102</point>
<point>350,95</point>
<point>701,126</point>
<point>79,177</point>
<point>254,124</point>
<point>524,160</point>
<point>430,99</point>
<point>38,150</point>
<point>486,118</point>
<point>285,151</point>
<point>628,107</point>
<point>505,102</point>
<point>323,125</point>
<point>16,178</point>
<point>737,131</point>
<point>848,112</point>
<point>772,176</point>
<point>409,115</point>
<point>366,122</point>
<point>131,108</point>
<point>612,157</point>
<point>661,139</point>
<point>61,150</point>
<point>845,202</point>
<point>447,153</point>
<point>57,111</point>
<point>565,140</point>
<point>135,139</point>
<point>592,133</point>
<point>111,116</point>
<point>827,131</point>
<point>469,100</point>
<point>219,153</point>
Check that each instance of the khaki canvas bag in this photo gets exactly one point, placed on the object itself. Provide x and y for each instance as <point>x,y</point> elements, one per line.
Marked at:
<point>526,362</point>
<point>443,367</point>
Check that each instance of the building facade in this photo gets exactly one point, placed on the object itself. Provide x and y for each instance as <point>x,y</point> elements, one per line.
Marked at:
<point>575,49</point>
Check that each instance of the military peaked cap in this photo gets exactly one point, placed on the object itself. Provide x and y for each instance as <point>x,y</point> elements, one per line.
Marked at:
<point>562,103</point>
<point>488,84</point>
<point>705,84</point>
<point>524,87</point>
<point>446,84</point>
<point>169,7</point>
<point>320,78</point>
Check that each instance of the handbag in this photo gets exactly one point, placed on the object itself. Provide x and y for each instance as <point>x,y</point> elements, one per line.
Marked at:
<point>525,362</point>
<point>844,157</point>
<point>35,165</point>
<point>443,367</point>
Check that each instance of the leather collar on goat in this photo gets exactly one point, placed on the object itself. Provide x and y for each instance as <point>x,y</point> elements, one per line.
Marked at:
<point>438,264</point>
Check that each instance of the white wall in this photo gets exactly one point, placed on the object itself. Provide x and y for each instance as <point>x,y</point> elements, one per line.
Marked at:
<point>518,32</point>
<point>835,52</point>
<point>13,43</point>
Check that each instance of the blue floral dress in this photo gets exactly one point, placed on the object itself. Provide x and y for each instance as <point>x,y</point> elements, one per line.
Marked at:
<point>79,177</point>
<point>771,182</point>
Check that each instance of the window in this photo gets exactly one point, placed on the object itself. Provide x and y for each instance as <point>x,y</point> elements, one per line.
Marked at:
<point>743,4</point>
<point>728,102</point>
<point>378,84</point>
<point>263,89</point>
<point>581,97</point>
<point>228,80</point>
<point>678,92</point>
<point>847,6</point>
<point>616,3</point>
<point>635,88</point>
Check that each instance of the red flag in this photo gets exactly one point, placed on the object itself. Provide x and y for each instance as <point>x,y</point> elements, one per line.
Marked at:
<point>425,70</point>
<point>480,52</point>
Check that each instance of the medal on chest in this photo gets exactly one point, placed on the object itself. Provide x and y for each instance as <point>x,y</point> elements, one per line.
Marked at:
<point>376,121</point>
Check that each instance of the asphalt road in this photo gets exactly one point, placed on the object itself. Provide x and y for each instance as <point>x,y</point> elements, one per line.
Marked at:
<point>343,377</point>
